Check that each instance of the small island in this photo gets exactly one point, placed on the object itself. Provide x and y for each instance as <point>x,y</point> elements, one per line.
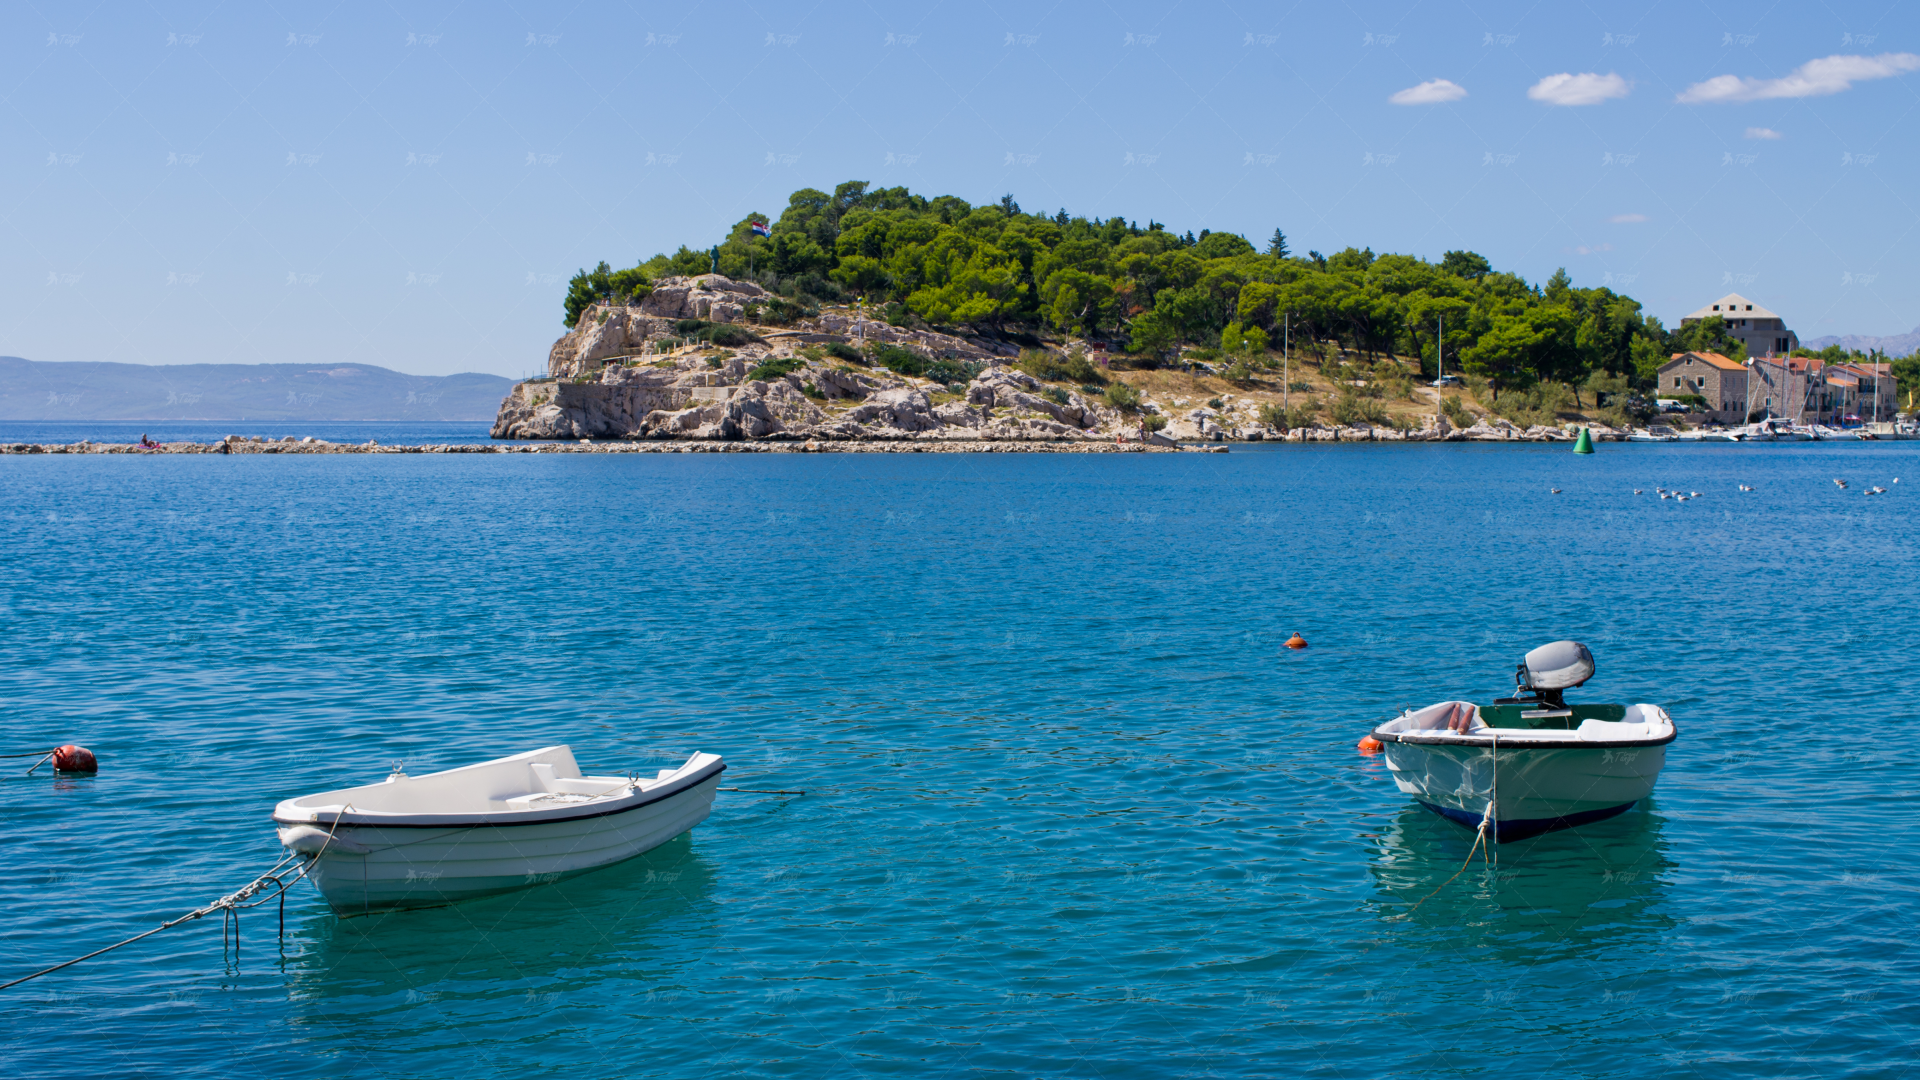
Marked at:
<point>880,316</point>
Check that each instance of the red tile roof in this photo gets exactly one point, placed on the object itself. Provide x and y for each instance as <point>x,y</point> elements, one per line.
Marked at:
<point>1711,359</point>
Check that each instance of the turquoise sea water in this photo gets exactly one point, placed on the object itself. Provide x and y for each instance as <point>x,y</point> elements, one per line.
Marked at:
<point>1071,808</point>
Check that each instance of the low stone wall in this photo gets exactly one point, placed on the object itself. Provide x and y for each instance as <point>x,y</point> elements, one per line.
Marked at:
<point>681,446</point>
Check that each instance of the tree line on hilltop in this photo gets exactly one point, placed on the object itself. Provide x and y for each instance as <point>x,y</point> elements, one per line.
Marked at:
<point>999,270</point>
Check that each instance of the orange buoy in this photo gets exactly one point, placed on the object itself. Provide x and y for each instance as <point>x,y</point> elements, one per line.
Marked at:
<point>1296,641</point>
<point>1370,745</point>
<point>75,759</point>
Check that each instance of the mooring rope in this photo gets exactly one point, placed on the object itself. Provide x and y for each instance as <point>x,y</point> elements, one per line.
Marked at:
<point>229,905</point>
<point>1479,835</point>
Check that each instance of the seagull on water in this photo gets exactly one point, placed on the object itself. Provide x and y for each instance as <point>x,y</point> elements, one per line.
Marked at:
<point>1841,484</point>
<point>1556,491</point>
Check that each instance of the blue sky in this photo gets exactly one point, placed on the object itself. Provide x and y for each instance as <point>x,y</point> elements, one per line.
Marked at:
<point>411,184</point>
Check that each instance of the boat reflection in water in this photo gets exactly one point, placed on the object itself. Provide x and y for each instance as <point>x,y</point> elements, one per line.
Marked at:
<point>1557,895</point>
<point>622,931</point>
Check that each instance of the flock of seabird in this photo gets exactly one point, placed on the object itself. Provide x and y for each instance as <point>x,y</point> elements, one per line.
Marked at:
<point>1683,496</point>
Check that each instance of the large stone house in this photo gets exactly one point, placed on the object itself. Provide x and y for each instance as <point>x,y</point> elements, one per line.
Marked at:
<point>1722,382</point>
<point>1761,331</point>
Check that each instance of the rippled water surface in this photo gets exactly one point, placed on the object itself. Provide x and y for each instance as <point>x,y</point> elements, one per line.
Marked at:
<point>1071,809</point>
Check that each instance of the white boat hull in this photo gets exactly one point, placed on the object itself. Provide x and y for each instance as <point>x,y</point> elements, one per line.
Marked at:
<point>366,860</point>
<point>1535,779</point>
<point>1538,790</point>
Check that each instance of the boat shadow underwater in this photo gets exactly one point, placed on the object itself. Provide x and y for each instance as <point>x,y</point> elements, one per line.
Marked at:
<point>1563,893</point>
<point>627,922</point>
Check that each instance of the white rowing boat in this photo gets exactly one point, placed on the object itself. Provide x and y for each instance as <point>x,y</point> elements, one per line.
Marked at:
<point>1531,763</point>
<point>423,841</point>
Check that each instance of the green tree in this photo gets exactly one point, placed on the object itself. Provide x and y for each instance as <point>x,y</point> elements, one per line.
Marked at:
<point>954,263</point>
<point>585,290</point>
<point>1466,264</point>
<point>1906,375</point>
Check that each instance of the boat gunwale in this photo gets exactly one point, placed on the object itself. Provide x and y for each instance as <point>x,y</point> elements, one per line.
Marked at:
<point>556,815</point>
<point>1521,742</point>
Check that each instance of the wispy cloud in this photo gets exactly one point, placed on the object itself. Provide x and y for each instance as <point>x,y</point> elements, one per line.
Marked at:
<point>1828,75</point>
<point>1431,92</point>
<point>1583,89</point>
<point>1627,219</point>
<point>1763,133</point>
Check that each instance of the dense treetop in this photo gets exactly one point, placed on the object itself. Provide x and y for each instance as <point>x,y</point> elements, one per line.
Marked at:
<point>995,268</point>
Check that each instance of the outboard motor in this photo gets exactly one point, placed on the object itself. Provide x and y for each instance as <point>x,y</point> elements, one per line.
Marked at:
<point>1547,671</point>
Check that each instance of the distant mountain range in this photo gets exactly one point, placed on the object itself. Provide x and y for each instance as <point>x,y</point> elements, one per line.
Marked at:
<point>1897,345</point>
<point>31,390</point>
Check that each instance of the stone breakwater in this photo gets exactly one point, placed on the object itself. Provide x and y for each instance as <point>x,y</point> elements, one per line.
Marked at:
<point>289,445</point>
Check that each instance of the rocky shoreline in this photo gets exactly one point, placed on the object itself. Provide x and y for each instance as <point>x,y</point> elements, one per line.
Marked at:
<point>925,443</point>
<point>289,445</point>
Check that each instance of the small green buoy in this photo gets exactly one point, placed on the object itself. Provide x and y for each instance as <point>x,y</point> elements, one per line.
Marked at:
<point>1584,444</point>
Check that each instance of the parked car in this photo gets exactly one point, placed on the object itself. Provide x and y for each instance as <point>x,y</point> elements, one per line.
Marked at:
<point>1449,380</point>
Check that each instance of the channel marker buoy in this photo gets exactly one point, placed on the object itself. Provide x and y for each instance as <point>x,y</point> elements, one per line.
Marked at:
<point>1584,444</point>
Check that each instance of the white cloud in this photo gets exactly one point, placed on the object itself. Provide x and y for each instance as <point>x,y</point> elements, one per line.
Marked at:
<point>1763,133</point>
<point>1583,89</point>
<point>1432,92</point>
<point>1828,75</point>
<point>1627,219</point>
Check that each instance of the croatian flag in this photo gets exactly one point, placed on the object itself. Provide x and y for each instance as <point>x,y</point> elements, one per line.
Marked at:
<point>760,229</point>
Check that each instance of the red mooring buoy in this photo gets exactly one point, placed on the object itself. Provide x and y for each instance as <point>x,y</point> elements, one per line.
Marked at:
<point>75,759</point>
<point>1296,641</point>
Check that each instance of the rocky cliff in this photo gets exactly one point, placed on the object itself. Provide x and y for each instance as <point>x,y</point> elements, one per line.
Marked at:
<point>627,372</point>
<point>693,397</point>
<point>640,372</point>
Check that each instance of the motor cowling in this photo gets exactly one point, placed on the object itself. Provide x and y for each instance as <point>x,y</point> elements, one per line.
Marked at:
<point>1550,669</point>
<point>1559,665</point>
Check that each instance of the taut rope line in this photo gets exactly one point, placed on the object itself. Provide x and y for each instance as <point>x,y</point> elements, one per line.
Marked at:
<point>229,906</point>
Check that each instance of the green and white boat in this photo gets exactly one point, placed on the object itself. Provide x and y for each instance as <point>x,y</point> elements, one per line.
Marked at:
<point>1531,763</point>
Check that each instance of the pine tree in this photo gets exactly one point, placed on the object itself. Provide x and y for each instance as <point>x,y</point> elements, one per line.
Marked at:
<point>1277,247</point>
